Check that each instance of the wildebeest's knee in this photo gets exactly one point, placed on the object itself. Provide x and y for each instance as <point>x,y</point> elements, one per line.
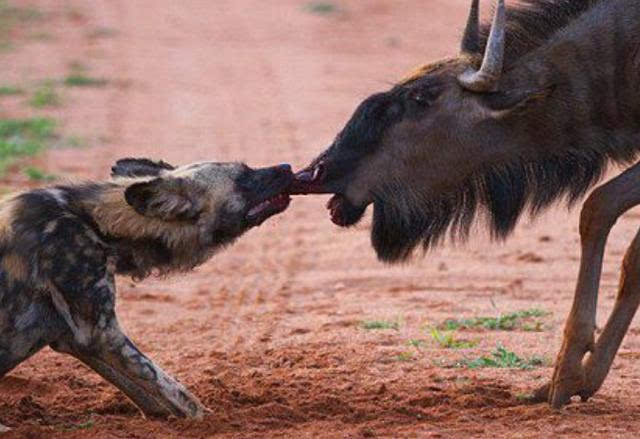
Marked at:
<point>598,213</point>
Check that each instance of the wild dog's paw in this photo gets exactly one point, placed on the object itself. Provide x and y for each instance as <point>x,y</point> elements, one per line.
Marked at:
<point>142,167</point>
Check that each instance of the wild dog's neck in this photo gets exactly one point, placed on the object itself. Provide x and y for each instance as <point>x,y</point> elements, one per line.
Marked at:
<point>144,244</point>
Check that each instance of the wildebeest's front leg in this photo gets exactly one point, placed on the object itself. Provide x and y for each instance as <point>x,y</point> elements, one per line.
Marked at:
<point>599,214</point>
<point>96,339</point>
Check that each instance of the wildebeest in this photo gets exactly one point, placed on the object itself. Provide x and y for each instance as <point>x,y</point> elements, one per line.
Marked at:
<point>532,110</point>
<point>60,248</point>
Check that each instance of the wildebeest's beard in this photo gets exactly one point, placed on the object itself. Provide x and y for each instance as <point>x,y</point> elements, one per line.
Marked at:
<point>406,217</point>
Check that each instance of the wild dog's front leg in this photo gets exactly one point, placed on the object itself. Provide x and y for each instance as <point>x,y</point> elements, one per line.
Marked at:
<point>118,360</point>
<point>95,339</point>
<point>598,216</point>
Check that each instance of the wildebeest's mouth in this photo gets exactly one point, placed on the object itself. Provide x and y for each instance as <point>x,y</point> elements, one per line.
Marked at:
<point>263,210</point>
<point>343,213</point>
<point>312,181</point>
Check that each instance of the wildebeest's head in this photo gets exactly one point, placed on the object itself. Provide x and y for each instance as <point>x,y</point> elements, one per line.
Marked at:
<point>434,148</point>
<point>222,199</point>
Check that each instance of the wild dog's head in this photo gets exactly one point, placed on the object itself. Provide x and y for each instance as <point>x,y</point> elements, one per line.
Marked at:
<point>223,199</point>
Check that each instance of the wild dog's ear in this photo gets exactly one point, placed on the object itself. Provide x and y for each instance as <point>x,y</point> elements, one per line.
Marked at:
<point>130,167</point>
<point>169,199</point>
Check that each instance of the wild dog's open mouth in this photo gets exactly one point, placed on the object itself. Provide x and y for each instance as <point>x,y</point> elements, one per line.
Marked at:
<point>267,208</point>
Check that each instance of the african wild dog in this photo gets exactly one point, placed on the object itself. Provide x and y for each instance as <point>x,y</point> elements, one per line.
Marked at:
<point>60,248</point>
<point>532,110</point>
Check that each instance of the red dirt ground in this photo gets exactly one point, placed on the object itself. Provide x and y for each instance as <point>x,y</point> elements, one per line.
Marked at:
<point>268,334</point>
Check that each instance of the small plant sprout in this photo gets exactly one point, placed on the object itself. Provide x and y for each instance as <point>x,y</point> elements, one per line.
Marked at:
<point>526,320</point>
<point>45,96</point>
<point>380,324</point>
<point>502,358</point>
<point>321,7</point>
<point>447,340</point>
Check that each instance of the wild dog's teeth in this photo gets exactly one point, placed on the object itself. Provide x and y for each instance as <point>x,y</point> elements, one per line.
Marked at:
<point>259,207</point>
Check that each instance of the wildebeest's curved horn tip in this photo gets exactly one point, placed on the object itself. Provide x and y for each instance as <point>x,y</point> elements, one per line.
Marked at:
<point>488,76</point>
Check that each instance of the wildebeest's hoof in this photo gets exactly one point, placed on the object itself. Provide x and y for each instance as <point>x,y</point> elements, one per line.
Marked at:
<point>4,429</point>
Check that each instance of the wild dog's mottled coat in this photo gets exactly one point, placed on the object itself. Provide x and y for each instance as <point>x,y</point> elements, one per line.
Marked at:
<point>60,248</point>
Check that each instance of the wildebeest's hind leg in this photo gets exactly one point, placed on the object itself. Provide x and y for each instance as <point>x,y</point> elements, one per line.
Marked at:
<point>599,361</point>
<point>599,214</point>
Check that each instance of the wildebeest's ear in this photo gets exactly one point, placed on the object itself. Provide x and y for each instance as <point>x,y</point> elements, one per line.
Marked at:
<point>503,103</point>
<point>142,167</point>
<point>169,199</point>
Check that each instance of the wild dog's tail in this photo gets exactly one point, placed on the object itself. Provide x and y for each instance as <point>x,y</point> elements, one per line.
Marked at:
<point>130,167</point>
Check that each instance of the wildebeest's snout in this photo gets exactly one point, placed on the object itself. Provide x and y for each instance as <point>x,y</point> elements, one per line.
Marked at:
<point>325,175</point>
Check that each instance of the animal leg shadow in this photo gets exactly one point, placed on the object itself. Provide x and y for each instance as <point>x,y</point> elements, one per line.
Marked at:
<point>118,361</point>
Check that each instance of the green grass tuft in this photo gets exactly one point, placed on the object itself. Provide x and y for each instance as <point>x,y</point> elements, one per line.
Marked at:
<point>81,80</point>
<point>380,324</point>
<point>404,357</point>
<point>448,340</point>
<point>503,358</point>
<point>38,174</point>
<point>45,96</point>
<point>524,320</point>
<point>23,137</point>
<point>321,7</point>
<point>8,90</point>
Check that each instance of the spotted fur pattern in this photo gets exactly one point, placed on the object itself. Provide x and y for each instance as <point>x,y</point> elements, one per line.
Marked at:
<point>60,248</point>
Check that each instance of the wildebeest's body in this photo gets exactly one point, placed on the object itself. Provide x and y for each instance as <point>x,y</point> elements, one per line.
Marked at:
<point>498,131</point>
<point>60,248</point>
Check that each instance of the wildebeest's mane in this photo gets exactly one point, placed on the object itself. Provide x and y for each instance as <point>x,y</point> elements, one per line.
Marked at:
<point>405,218</point>
<point>532,22</point>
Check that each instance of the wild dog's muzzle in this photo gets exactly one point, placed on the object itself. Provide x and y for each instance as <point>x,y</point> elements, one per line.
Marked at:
<point>267,192</point>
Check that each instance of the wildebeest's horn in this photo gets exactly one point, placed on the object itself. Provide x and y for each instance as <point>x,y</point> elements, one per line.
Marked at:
<point>487,77</point>
<point>470,38</point>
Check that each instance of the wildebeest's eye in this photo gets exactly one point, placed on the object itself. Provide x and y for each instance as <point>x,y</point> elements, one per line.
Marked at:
<point>422,97</point>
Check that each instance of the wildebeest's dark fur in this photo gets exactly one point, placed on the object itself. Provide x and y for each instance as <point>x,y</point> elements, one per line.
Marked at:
<point>497,131</point>
<point>567,105</point>
<point>60,248</point>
